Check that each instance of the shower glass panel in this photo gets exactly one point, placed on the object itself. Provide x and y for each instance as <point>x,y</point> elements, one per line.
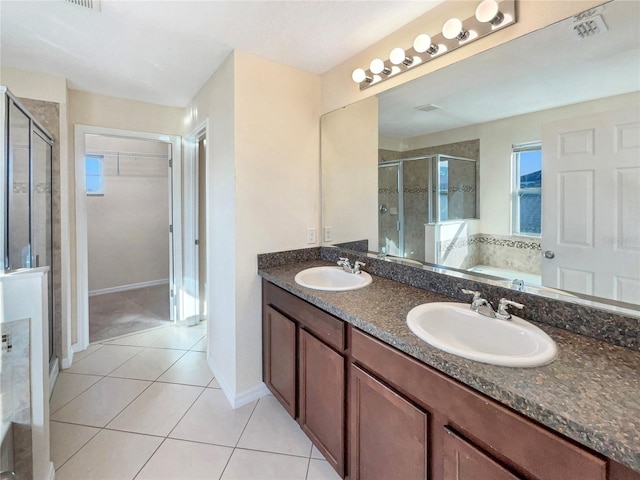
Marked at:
<point>416,206</point>
<point>389,208</point>
<point>18,251</point>
<point>454,194</point>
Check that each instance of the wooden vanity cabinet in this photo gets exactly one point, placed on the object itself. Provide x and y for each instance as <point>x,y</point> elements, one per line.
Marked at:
<point>304,367</point>
<point>393,417</point>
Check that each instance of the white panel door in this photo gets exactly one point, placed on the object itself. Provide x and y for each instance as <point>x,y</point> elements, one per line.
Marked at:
<point>591,205</point>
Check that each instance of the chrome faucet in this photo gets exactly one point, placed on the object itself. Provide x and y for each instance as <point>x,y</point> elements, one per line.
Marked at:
<point>479,304</point>
<point>346,265</point>
<point>485,307</point>
<point>517,284</point>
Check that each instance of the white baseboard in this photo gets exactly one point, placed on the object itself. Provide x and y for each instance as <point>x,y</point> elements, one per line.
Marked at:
<point>242,398</point>
<point>51,475</point>
<point>131,286</point>
<point>53,376</point>
<point>68,360</point>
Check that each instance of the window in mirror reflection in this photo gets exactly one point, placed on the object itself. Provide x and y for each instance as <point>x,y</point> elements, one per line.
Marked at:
<point>527,189</point>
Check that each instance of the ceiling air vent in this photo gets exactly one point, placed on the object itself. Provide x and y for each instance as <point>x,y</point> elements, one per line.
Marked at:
<point>589,23</point>
<point>91,4</point>
<point>429,107</point>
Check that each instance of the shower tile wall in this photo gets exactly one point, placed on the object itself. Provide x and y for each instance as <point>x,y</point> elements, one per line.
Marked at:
<point>48,115</point>
<point>15,403</point>
<point>522,254</point>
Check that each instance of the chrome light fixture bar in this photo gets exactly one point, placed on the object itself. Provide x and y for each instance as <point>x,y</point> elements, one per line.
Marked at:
<point>490,16</point>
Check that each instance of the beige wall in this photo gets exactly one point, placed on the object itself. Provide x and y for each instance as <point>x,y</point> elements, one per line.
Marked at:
<point>263,185</point>
<point>339,90</point>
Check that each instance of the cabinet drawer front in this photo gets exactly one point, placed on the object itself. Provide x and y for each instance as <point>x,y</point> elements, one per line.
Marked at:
<point>463,461</point>
<point>389,435</point>
<point>326,327</point>
<point>508,436</point>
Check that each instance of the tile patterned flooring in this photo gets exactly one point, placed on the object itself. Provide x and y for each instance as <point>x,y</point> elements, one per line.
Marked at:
<point>146,407</point>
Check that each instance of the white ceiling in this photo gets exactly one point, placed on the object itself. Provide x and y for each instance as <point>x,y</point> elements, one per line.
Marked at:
<point>164,51</point>
<point>542,70</point>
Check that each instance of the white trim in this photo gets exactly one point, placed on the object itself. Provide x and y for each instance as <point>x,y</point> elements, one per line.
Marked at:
<point>82,274</point>
<point>53,375</point>
<point>241,399</point>
<point>130,286</point>
<point>52,472</point>
<point>190,313</point>
<point>68,361</point>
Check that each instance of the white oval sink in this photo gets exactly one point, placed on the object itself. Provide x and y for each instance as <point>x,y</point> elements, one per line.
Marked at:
<point>333,279</point>
<point>455,328</point>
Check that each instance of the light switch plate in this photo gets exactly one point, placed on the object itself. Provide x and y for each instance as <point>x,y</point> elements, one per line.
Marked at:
<point>328,234</point>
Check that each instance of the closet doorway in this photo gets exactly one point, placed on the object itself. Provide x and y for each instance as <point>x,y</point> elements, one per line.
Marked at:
<point>126,224</point>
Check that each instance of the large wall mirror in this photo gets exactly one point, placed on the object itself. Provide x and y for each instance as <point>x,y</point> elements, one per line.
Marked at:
<point>521,163</point>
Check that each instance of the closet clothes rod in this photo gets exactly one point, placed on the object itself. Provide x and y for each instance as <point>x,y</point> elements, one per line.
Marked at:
<point>106,153</point>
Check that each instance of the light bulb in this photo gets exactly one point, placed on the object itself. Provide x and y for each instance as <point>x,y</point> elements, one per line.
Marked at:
<point>398,56</point>
<point>422,44</point>
<point>453,29</point>
<point>488,12</point>
<point>358,75</point>
<point>376,66</point>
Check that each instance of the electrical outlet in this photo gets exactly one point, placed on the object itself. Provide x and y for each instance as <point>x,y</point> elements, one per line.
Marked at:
<point>311,235</point>
<point>328,234</point>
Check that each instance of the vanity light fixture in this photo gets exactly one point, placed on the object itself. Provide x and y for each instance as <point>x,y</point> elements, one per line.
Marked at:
<point>489,16</point>
<point>489,12</point>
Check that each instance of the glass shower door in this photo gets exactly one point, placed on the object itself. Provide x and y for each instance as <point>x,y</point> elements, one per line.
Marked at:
<point>415,177</point>
<point>389,209</point>
<point>18,214</point>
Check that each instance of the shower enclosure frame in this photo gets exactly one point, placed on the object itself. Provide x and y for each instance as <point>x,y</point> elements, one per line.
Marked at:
<point>434,207</point>
<point>35,128</point>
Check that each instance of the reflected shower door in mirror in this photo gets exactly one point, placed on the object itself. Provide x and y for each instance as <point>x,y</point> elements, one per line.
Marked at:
<point>419,194</point>
<point>590,201</point>
<point>18,248</point>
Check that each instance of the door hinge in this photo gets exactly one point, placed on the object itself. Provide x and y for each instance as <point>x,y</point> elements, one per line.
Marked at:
<point>170,228</point>
<point>170,163</point>
<point>197,242</point>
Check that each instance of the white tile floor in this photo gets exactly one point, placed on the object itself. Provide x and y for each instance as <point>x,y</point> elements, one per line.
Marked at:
<point>147,407</point>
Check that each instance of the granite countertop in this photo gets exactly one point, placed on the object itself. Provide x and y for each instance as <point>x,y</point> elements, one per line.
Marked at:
<point>590,393</point>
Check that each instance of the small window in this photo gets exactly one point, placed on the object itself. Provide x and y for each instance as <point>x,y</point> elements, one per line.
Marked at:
<point>94,174</point>
<point>527,189</point>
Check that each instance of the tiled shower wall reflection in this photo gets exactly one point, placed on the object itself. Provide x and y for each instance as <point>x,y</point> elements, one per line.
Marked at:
<point>15,400</point>
<point>521,254</point>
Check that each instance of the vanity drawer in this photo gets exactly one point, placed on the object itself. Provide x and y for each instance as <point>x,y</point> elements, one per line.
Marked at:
<point>513,440</point>
<point>323,325</point>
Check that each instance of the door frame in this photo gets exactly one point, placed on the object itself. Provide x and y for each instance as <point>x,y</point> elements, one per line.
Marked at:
<point>190,313</point>
<point>82,254</point>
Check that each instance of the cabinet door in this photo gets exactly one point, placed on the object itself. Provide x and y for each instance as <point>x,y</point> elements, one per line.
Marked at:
<point>322,398</point>
<point>280,358</point>
<point>388,434</point>
<point>463,461</point>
